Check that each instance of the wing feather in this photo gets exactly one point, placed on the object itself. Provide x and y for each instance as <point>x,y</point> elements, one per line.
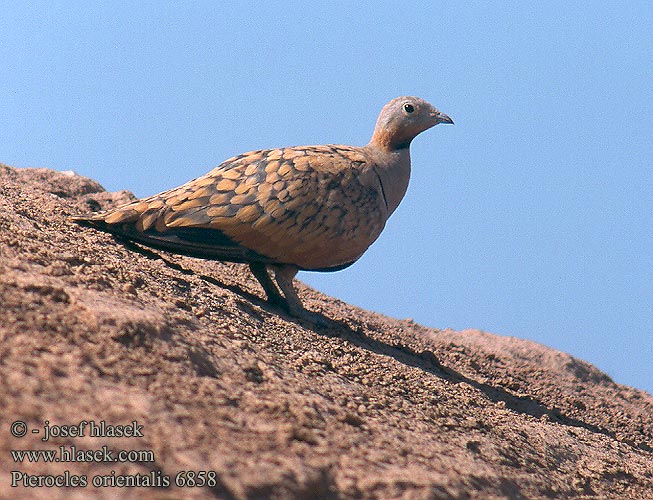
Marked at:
<point>317,207</point>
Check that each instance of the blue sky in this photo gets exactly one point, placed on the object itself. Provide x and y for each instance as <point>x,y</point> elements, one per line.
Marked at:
<point>531,217</point>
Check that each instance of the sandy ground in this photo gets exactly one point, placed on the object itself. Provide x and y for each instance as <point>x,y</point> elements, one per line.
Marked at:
<point>366,407</point>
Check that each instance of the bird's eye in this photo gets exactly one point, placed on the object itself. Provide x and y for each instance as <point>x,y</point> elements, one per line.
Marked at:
<point>409,108</point>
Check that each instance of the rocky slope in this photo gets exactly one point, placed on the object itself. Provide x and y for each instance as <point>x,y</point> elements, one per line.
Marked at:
<point>368,407</point>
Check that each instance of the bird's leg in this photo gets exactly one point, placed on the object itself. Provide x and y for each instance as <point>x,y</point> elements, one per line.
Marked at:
<point>284,275</point>
<point>260,272</point>
<point>290,301</point>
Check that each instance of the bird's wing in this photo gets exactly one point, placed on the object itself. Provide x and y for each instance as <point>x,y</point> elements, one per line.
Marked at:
<point>316,207</point>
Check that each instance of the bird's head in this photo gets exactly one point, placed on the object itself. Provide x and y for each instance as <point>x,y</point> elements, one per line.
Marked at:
<point>402,119</point>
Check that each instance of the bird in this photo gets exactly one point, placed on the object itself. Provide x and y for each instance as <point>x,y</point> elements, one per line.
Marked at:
<point>313,208</point>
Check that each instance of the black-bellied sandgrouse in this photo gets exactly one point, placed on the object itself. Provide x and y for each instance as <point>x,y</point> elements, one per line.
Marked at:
<point>315,208</point>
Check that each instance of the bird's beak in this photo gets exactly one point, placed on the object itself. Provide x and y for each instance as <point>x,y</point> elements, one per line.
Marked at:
<point>442,118</point>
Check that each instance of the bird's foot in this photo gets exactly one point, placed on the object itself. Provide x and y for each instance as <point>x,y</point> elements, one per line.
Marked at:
<point>289,302</point>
